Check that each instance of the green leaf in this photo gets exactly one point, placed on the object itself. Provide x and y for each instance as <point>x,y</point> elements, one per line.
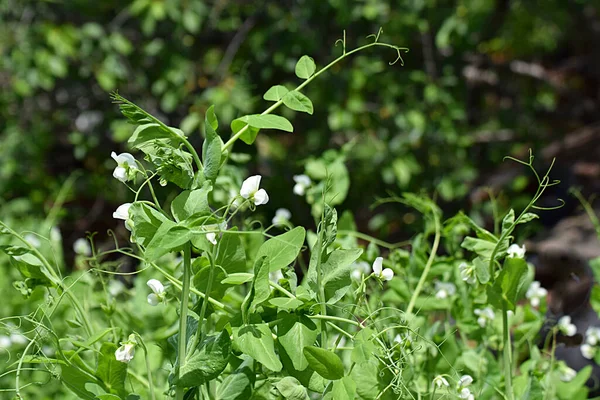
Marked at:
<point>27,263</point>
<point>527,217</point>
<point>295,332</point>
<point>298,102</point>
<point>172,164</point>
<point>146,221</point>
<point>237,278</point>
<point>211,148</point>
<point>286,303</point>
<point>508,221</point>
<point>256,340</point>
<point>200,279</point>
<point>343,389</point>
<point>231,254</point>
<point>260,286</point>
<point>75,380</point>
<point>275,93</point>
<point>191,203</point>
<point>305,67</point>
<point>267,121</point>
<point>282,250</point>
<point>108,397</point>
<point>364,348</point>
<point>238,385</point>
<point>255,122</point>
<point>207,361</point>
<point>169,237</point>
<point>335,273</point>
<point>291,389</point>
<point>481,247</point>
<point>510,285</point>
<point>112,372</point>
<point>482,270</point>
<point>324,362</point>
<point>365,375</point>
<point>249,135</point>
<point>146,133</point>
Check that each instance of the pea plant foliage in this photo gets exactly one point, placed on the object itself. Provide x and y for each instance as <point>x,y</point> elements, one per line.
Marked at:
<point>224,307</point>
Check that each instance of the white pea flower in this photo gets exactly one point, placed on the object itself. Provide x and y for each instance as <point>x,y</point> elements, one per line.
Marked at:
<point>461,387</point>
<point>250,190</point>
<point>444,290</point>
<point>566,373</point>
<point>516,251</point>
<point>212,237</point>
<point>159,292</point>
<point>386,274</point>
<point>122,212</point>
<point>360,268</point>
<point>5,342</point>
<point>282,216</point>
<point>126,352</point>
<point>465,381</point>
<point>33,240</point>
<point>566,327</point>
<point>440,381</point>
<point>302,183</point>
<point>465,393</point>
<point>467,273</point>
<point>588,351</point>
<point>126,166</point>
<point>484,315</point>
<point>535,293</point>
<point>592,336</point>
<point>82,247</point>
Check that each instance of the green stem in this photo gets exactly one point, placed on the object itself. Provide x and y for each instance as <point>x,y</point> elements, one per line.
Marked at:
<point>178,284</point>
<point>148,369</point>
<point>56,280</point>
<point>282,290</point>
<point>434,248</point>
<point>507,353</point>
<point>337,319</point>
<point>198,336</point>
<point>185,294</point>
<point>269,110</point>
<point>322,299</point>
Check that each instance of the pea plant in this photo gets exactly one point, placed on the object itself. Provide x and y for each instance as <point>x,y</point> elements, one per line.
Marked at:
<point>224,307</point>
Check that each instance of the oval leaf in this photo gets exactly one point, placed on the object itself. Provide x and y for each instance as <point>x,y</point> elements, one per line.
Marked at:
<point>275,93</point>
<point>305,67</point>
<point>298,102</point>
<point>324,362</point>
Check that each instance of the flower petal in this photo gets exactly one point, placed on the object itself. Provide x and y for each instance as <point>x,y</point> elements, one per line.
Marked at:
<point>387,274</point>
<point>122,212</point>
<point>156,286</point>
<point>120,173</point>
<point>250,186</point>
<point>261,197</point>
<point>378,265</point>
<point>212,237</point>
<point>299,189</point>
<point>153,299</point>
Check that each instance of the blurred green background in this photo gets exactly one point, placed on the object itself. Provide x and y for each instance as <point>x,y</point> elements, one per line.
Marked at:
<point>483,79</point>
